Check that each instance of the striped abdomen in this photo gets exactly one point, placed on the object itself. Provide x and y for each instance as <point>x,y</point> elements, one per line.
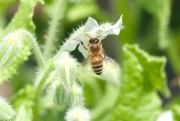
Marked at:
<point>97,64</point>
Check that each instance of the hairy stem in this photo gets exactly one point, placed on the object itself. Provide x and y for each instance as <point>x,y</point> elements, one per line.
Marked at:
<point>45,72</point>
<point>42,78</point>
<point>36,49</point>
<point>53,27</point>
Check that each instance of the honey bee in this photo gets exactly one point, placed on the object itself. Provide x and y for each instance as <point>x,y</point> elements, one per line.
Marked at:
<point>96,55</point>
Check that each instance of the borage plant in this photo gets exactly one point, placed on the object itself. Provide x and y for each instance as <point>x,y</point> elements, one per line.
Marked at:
<point>60,80</point>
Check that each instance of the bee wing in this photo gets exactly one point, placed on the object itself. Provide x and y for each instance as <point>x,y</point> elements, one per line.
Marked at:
<point>109,61</point>
<point>86,66</point>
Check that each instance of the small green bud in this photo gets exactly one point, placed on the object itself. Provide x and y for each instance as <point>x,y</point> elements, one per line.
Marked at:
<point>14,50</point>
<point>60,94</point>
<point>65,90</point>
<point>77,96</point>
<point>10,46</point>
<point>70,96</point>
<point>66,66</point>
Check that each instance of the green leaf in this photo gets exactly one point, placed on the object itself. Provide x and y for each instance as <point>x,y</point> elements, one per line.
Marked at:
<point>6,111</point>
<point>153,68</point>
<point>160,9</point>
<point>142,75</point>
<point>23,17</point>
<point>23,102</point>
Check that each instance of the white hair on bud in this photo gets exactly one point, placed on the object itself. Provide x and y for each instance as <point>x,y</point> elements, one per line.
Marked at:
<point>77,114</point>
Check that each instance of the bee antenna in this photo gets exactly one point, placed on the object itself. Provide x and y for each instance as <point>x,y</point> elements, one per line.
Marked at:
<point>91,37</point>
<point>98,36</point>
<point>88,36</point>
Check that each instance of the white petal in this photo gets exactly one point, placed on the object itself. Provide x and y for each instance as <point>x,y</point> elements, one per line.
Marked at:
<point>90,25</point>
<point>92,29</point>
<point>166,116</point>
<point>70,45</point>
<point>115,29</point>
<point>83,50</point>
<point>94,33</point>
<point>83,38</point>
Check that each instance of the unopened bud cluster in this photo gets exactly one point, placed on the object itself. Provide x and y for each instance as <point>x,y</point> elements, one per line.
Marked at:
<point>65,90</point>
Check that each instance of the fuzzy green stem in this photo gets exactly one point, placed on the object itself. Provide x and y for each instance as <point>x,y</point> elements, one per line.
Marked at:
<point>42,78</point>
<point>47,70</point>
<point>36,49</point>
<point>53,27</point>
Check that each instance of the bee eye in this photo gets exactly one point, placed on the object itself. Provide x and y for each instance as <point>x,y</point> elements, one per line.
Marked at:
<point>90,41</point>
<point>96,40</point>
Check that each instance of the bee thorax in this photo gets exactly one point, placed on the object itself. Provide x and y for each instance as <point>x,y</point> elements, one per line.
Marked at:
<point>94,48</point>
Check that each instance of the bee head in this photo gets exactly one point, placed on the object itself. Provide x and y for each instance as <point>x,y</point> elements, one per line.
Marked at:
<point>93,40</point>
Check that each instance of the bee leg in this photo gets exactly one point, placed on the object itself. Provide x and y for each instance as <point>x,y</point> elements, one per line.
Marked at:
<point>83,44</point>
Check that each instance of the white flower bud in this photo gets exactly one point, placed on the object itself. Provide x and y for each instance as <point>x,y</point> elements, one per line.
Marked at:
<point>77,114</point>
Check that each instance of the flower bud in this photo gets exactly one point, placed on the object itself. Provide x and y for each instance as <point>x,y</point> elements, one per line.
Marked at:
<point>76,96</point>
<point>66,66</point>
<point>60,94</point>
<point>70,96</point>
<point>14,50</point>
<point>65,90</point>
<point>77,114</point>
<point>10,46</point>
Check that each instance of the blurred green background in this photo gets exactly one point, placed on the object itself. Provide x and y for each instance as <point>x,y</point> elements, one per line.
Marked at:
<point>152,24</point>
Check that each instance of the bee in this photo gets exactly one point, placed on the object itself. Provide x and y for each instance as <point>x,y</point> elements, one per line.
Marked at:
<point>96,55</point>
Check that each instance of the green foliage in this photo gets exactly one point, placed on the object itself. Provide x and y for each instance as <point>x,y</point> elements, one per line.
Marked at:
<point>138,99</point>
<point>23,17</point>
<point>23,103</point>
<point>7,112</point>
<point>160,9</point>
<point>123,92</point>
<point>80,8</point>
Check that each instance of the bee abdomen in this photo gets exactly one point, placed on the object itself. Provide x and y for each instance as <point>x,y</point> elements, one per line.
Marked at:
<point>97,67</point>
